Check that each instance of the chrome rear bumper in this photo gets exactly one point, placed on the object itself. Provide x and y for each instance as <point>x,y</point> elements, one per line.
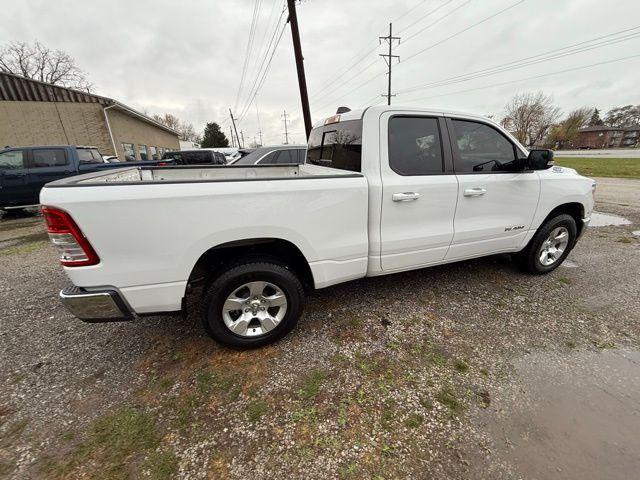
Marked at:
<point>95,306</point>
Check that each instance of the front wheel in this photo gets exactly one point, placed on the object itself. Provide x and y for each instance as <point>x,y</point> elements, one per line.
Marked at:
<point>550,245</point>
<point>252,304</point>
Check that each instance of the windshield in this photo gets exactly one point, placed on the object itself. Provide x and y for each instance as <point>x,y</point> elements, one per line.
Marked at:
<point>337,145</point>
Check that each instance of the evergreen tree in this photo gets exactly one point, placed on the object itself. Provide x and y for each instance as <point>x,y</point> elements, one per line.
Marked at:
<point>213,136</point>
<point>595,120</point>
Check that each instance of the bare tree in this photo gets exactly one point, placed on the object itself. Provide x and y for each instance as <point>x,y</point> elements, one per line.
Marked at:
<point>529,116</point>
<point>41,63</point>
<point>185,130</point>
<point>620,117</point>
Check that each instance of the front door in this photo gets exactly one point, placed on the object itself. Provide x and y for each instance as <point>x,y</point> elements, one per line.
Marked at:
<point>14,190</point>
<point>497,199</point>
<point>419,191</point>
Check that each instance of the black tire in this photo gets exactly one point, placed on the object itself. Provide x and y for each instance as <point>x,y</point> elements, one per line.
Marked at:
<point>234,277</point>
<point>529,258</point>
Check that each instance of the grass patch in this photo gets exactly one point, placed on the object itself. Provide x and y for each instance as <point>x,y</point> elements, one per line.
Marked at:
<point>24,248</point>
<point>461,366</point>
<point>311,384</point>
<point>484,372</point>
<point>624,240</point>
<point>256,409</point>
<point>602,167</point>
<point>111,442</point>
<point>161,465</point>
<point>565,280</point>
<point>414,420</point>
<point>448,398</point>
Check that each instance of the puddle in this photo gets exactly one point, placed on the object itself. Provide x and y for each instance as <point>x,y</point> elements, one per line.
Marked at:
<point>606,219</point>
<point>571,416</point>
<point>569,264</point>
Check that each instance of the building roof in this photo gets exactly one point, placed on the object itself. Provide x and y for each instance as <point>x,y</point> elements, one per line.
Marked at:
<point>602,128</point>
<point>21,89</point>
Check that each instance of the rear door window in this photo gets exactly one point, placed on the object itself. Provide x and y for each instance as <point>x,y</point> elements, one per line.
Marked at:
<point>49,157</point>
<point>270,158</point>
<point>337,145</point>
<point>13,160</point>
<point>415,147</point>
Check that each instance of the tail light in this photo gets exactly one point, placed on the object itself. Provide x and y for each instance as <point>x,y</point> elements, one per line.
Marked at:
<point>75,250</point>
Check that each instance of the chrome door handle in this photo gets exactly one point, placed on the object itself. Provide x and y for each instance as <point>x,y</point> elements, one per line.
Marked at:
<point>475,192</point>
<point>405,196</point>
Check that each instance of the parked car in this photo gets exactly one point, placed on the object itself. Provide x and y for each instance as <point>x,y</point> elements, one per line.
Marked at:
<point>195,157</point>
<point>294,154</point>
<point>25,170</point>
<point>230,153</point>
<point>384,190</point>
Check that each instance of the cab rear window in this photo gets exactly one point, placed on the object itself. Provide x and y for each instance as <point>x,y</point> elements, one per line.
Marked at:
<point>337,145</point>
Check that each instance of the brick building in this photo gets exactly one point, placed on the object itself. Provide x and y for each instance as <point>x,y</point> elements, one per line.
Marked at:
<point>608,137</point>
<point>38,113</point>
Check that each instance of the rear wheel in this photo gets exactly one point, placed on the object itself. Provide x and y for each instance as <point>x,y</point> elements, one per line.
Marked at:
<point>252,304</point>
<point>550,245</point>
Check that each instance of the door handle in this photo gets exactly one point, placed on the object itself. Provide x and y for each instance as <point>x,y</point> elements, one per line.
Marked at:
<point>405,196</point>
<point>475,192</point>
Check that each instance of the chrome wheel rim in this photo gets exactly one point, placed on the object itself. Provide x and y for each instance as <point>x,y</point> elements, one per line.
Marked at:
<point>554,246</point>
<point>254,308</point>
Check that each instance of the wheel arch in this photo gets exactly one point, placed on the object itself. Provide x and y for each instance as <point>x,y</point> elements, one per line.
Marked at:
<point>218,257</point>
<point>574,209</point>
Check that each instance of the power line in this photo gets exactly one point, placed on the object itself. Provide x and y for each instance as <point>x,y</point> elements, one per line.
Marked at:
<point>527,61</point>
<point>464,29</point>
<point>258,81</point>
<point>358,58</point>
<point>247,54</point>
<point>344,82</point>
<point>438,20</point>
<point>428,14</point>
<point>606,62</point>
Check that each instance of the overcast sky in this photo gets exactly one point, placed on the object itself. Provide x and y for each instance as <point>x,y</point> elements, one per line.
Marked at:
<point>187,57</point>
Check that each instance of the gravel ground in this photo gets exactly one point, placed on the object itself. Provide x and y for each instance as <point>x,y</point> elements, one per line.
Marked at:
<point>401,376</point>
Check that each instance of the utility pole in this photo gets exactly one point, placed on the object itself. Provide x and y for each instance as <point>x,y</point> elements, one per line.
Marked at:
<point>233,121</point>
<point>302,81</point>
<point>233,142</point>
<point>286,133</point>
<point>389,58</point>
<point>260,133</point>
<point>242,136</point>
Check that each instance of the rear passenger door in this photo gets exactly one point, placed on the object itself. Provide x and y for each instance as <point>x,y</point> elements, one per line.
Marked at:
<point>47,165</point>
<point>13,179</point>
<point>497,198</point>
<point>419,191</point>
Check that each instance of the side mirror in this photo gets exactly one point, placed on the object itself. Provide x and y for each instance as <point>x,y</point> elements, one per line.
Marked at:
<point>540,159</point>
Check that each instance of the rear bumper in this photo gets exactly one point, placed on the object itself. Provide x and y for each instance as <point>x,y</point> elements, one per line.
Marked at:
<point>95,306</point>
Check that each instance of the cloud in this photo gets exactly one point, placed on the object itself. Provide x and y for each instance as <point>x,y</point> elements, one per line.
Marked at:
<point>186,58</point>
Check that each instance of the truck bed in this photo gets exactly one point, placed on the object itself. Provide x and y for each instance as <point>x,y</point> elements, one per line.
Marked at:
<point>137,175</point>
<point>149,226</point>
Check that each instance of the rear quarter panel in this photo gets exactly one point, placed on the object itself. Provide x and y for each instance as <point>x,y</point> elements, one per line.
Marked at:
<point>148,235</point>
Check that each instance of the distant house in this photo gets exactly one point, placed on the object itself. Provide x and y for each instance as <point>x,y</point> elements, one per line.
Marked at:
<point>38,113</point>
<point>608,137</point>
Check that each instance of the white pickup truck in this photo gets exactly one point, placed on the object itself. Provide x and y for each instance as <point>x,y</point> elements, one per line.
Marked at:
<point>385,189</point>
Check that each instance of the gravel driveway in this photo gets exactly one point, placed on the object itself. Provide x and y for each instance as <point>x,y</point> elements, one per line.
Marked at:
<point>404,376</point>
